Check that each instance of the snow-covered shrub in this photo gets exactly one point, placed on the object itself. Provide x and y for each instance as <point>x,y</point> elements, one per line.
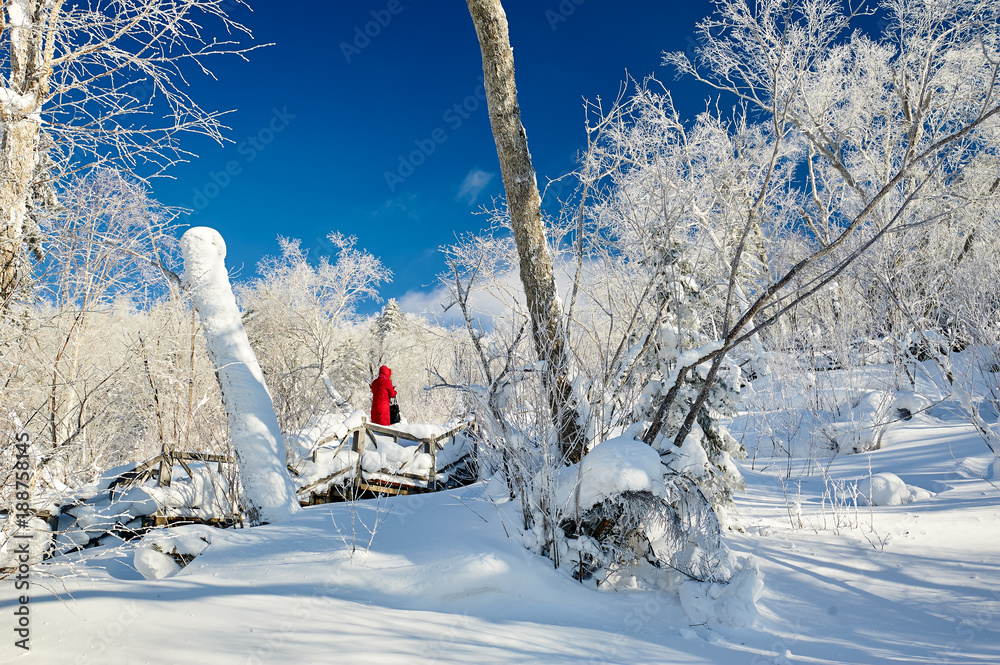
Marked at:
<point>621,515</point>
<point>731,604</point>
<point>707,453</point>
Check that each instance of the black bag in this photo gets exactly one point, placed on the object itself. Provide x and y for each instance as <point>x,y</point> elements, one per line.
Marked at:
<point>393,411</point>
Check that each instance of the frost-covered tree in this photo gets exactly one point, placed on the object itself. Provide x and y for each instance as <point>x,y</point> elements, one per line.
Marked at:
<point>389,338</point>
<point>391,319</point>
<point>105,366</point>
<point>74,78</point>
<point>300,315</point>
<point>887,124</point>
<point>72,350</point>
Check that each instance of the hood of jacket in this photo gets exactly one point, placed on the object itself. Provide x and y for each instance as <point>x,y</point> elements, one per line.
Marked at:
<point>385,372</point>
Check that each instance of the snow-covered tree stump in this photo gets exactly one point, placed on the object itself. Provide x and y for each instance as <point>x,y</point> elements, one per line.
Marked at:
<point>268,493</point>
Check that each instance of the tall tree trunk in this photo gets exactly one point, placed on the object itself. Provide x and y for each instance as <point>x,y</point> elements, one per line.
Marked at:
<point>524,204</point>
<point>17,165</point>
<point>25,26</point>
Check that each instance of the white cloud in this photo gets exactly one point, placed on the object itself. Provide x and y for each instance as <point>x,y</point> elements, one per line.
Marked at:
<point>486,306</point>
<point>475,182</point>
<point>482,305</point>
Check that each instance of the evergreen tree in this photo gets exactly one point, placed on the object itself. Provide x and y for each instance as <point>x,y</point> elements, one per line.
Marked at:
<point>390,320</point>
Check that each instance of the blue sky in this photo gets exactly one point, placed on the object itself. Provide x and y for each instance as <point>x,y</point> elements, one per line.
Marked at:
<point>367,117</point>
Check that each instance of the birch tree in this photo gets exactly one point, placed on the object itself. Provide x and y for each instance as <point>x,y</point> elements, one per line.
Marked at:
<point>524,205</point>
<point>92,82</point>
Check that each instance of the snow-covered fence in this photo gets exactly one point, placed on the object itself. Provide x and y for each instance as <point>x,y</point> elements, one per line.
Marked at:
<point>125,502</point>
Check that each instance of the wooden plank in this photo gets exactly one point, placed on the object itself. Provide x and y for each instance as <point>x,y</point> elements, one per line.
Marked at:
<point>185,467</point>
<point>452,432</point>
<point>147,465</point>
<point>400,434</point>
<point>203,457</point>
<point>327,439</point>
<point>335,452</point>
<point>388,488</point>
<point>389,431</point>
<point>136,476</point>
<point>400,474</point>
<point>324,480</point>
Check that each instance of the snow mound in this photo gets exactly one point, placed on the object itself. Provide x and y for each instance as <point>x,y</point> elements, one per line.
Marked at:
<point>617,465</point>
<point>153,564</point>
<point>860,428</point>
<point>908,403</point>
<point>164,552</point>
<point>888,489</point>
<point>733,603</point>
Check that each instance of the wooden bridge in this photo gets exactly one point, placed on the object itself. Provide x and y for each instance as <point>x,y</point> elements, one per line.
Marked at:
<point>451,464</point>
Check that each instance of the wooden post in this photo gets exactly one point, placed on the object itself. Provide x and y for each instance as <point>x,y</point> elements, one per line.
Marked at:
<point>359,446</point>
<point>432,478</point>
<point>166,469</point>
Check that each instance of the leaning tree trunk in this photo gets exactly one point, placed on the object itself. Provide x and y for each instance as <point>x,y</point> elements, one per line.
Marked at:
<point>524,204</point>
<point>268,494</point>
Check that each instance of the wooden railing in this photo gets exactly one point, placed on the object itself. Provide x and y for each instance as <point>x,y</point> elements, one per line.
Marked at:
<point>360,437</point>
<point>162,465</point>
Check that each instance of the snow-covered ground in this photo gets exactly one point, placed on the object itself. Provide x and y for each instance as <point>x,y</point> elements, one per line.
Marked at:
<point>441,581</point>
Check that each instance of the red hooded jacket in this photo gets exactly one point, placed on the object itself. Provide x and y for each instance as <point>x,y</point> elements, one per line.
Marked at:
<point>382,390</point>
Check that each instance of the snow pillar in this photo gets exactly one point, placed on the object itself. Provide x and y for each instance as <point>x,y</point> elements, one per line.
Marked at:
<point>268,493</point>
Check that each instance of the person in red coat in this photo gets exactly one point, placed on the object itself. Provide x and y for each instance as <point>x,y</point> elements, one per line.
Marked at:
<point>382,390</point>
